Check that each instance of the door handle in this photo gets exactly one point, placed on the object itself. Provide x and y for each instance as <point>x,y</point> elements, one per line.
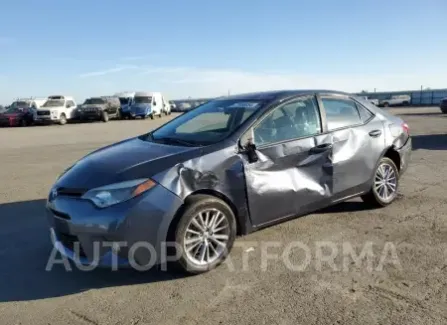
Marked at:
<point>321,148</point>
<point>375,133</point>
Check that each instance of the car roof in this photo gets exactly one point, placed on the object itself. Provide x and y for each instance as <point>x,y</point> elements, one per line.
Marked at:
<point>281,94</point>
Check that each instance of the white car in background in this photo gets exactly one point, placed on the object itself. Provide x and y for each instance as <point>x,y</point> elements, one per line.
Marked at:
<point>371,100</point>
<point>396,100</point>
<point>57,109</point>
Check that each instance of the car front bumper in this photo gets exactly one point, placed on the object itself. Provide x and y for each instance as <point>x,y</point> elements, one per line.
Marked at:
<point>139,226</point>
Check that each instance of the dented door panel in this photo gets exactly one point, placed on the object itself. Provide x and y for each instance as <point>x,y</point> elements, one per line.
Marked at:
<point>356,151</point>
<point>286,180</point>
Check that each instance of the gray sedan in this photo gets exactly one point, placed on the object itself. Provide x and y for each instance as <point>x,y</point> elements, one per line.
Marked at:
<point>234,165</point>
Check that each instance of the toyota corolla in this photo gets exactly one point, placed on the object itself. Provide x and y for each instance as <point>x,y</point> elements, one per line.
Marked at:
<point>228,167</point>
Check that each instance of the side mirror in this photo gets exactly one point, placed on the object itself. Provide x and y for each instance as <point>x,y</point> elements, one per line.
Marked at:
<point>248,146</point>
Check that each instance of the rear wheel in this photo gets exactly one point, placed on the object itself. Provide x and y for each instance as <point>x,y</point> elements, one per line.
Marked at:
<point>104,117</point>
<point>205,234</point>
<point>23,123</point>
<point>152,116</point>
<point>386,104</point>
<point>385,184</point>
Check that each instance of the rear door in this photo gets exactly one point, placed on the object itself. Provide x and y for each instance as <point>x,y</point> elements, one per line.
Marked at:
<point>358,141</point>
<point>293,173</point>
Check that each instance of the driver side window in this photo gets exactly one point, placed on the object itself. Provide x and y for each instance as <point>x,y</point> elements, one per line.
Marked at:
<point>293,120</point>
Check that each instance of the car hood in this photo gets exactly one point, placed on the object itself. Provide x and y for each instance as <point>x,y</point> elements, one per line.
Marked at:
<point>93,106</point>
<point>126,160</point>
<point>50,108</point>
<point>10,115</point>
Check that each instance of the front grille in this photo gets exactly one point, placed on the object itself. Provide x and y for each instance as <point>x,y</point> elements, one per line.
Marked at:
<point>69,242</point>
<point>43,112</point>
<point>73,192</point>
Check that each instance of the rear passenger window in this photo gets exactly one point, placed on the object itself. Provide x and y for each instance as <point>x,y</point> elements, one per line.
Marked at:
<point>340,113</point>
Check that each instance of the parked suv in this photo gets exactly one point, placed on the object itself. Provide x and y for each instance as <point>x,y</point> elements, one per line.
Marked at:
<point>57,109</point>
<point>99,109</point>
<point>396,100</point>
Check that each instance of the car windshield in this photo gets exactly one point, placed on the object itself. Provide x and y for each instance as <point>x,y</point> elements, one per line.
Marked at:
<point>94,101</point>
<point>209,123</point>
<point>54,103</point>
<point>142,100</point>
<point>20,104</point>
<point>15,110</point>
<point>124,100</point>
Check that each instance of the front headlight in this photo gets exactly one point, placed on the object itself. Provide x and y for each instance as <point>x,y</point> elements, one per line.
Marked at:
<point>108,195</point>
<point>53,112</point>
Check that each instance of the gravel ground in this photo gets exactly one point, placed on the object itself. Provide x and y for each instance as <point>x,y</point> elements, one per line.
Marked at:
<point>405,282</point>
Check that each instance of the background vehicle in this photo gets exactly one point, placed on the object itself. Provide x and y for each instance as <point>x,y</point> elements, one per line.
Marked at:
<point>125,99</point>
<point>99,109</point>
<point>167,108</point>
<point>443,105</point>
<point>371,100</point>
<point>17,116</point>
<point>183,107</point>
<point>146,104</point>
<point>57,109</point>
<point>213,172</point>
<point>173,106</point>
<point>396,100</point>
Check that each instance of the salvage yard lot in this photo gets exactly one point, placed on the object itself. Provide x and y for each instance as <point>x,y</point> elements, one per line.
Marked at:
<point>235,293</point>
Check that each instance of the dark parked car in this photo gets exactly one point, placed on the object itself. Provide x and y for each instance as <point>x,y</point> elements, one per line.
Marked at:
<point>99,109</point>
<point>17,116</point>
<point>443,105</point>
<point>231,166</point>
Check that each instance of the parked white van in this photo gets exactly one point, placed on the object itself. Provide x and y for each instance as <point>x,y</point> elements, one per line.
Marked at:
<point>146,104</point>
<point>57,109</point>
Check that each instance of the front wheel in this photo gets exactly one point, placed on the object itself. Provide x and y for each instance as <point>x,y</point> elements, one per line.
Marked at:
<point>385,184</point>
<point>205,234</point>
<point>63,119</point>
<point>104,117</point>
<point>152,116</point>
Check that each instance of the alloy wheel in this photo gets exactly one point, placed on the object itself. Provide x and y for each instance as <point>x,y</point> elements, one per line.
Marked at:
<point>206,236</point>
<point>385,182</point>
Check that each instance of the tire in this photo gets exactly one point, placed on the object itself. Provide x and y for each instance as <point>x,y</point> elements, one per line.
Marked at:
<point>386,104</point>
<point>23,123</point>
<point>374,197</point>
<point>189,260</point>
<point>160,115</point>
<point>104,117</point>
<point>405,103</point>
<point>118,115</point>
<point>63,119</point>
<point>152,116</point>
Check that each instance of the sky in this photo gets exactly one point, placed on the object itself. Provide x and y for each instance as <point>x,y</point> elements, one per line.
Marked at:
<point>202,48</point>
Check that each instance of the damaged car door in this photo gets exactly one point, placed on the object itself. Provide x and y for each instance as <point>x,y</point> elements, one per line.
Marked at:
<point>285,163</point>
<point>357,144</point>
